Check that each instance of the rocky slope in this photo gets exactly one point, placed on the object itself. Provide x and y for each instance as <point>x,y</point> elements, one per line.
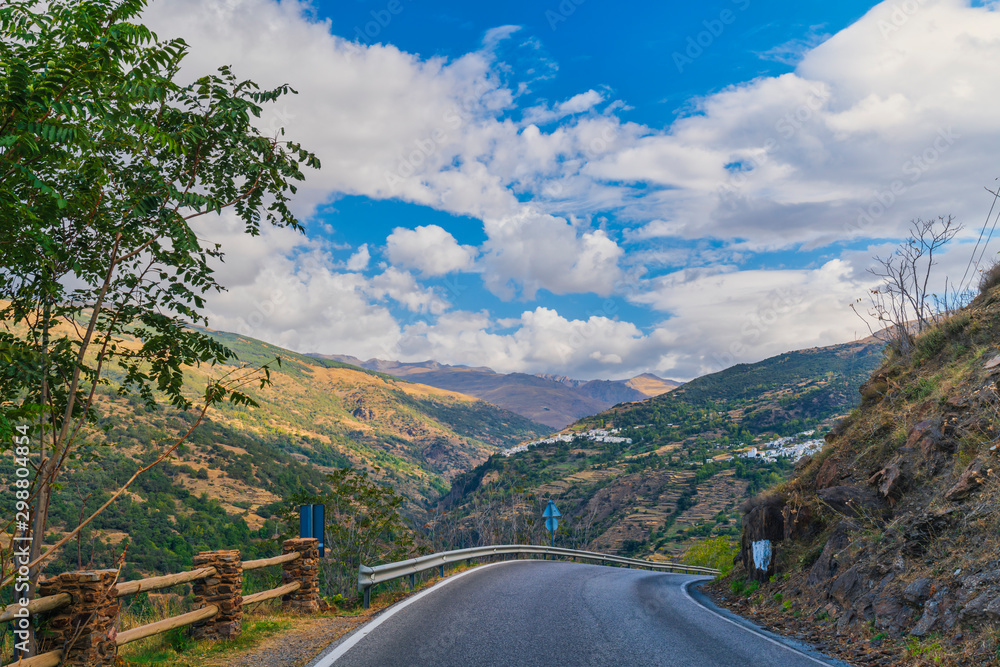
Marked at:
<point>891,534</point>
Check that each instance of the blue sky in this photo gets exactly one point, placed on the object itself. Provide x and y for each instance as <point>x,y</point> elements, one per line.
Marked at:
<point>597,189</point>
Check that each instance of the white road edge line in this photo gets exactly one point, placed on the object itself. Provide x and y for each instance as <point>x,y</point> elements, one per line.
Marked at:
<point>751,630</point>
<point>363,632</point>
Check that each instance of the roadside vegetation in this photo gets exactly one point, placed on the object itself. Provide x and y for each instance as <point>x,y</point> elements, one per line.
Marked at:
<point>885,543</point>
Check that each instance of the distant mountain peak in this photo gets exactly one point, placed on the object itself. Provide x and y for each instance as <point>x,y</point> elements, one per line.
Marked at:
<point>561,379</point>
<point>552,399</point>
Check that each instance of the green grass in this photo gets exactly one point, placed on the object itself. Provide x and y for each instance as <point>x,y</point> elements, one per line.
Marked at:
<point>170,648</point>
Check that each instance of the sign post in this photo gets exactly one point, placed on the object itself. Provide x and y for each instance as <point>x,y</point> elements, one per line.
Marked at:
<point>312,523</point>
<point>551,515</point>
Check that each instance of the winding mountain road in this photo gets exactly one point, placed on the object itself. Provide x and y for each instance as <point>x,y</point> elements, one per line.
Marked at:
<point>546,613</point>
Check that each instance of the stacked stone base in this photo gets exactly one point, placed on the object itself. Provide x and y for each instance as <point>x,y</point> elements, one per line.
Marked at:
<point>305,570</point>
<point>84,629</point>
<point>224,590</point>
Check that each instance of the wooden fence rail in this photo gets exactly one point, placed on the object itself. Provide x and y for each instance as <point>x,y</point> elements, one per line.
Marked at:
<point>81,608</point>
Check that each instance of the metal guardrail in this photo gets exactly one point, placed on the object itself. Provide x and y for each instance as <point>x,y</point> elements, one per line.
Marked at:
<point>370,576</point>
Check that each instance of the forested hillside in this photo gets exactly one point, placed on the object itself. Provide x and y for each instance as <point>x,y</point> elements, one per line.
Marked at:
<point>227,485</point>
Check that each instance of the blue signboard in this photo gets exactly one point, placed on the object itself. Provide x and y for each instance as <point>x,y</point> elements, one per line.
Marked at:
<point>551,515</point>
<point>550,510</point>
<point>312,523</point>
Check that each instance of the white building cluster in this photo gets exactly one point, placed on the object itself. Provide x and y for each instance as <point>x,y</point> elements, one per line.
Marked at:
<point>598,435</point>
<point>787,447</point>
<point>594,435</point>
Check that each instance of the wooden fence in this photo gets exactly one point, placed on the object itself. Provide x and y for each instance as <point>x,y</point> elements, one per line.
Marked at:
<point>81,608</point>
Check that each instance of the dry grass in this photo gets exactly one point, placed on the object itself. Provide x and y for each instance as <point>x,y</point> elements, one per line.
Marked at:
<point>990,278</point>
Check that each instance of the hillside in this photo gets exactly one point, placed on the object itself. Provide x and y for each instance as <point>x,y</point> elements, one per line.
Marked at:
<point>651,385</point>
<point>554,400</point>
<point>650,478</point>
<point>421,436</point>
<point>227,485</point>
<point>888,537</point>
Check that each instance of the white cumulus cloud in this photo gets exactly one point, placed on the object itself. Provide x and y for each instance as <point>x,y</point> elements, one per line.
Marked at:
<point>429,249</point>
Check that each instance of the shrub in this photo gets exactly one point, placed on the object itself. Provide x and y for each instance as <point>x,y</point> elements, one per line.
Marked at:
<point>930,343</point>
<point>923,388</point>
<point>990,279</point>
<point>717,552</point>
<point>364,526</point>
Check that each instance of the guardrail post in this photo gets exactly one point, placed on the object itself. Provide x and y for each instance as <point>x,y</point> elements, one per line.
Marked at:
<point>85,628</point>
<point>305,570</point>
<point>224,589</point>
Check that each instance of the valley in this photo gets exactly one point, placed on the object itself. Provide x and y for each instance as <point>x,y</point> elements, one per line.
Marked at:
<point>644,487</point>
<point>652,478</point>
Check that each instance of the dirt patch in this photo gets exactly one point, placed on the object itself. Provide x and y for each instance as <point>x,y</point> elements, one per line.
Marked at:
<point>296,646</point>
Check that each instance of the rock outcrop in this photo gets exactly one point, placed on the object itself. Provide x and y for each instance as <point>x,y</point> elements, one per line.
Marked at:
<point>893,530</point>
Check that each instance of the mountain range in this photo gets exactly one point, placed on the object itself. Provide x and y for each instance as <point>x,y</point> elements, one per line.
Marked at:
<point>230,483</point>
<point>554,400</point>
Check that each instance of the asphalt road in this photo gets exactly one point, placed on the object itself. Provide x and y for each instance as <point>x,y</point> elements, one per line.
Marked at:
<point>545,613</point>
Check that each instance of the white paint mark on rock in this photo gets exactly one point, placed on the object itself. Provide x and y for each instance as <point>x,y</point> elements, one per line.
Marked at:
<point>762,554</point>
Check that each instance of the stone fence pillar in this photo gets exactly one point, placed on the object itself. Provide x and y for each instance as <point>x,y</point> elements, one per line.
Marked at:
<point>85,628</point>
<point>224,590</point>
<point>305,570</point>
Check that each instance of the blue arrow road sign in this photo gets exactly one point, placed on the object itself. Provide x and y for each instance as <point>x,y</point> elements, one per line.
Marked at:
<point>551,515</point>
<point>550,510</point>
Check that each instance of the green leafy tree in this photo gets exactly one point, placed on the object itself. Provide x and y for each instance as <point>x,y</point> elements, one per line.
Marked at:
<point>717,552</point>
<point>105,162</point>
<point>363,527</point>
